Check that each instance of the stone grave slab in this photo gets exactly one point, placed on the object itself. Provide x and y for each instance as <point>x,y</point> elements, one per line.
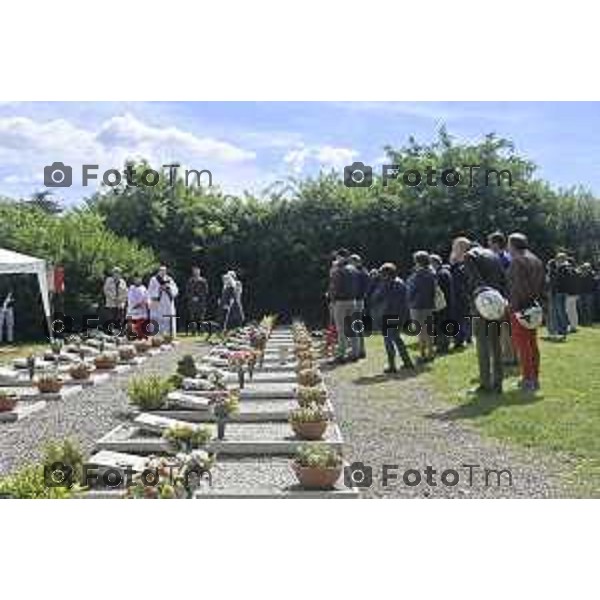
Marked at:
<point>21,411</point>
<point>105,459</point>
<point>268,390</point>
<point>33,394</point>
<point>152,423</point>
<point>190,402</point>
<point>264,477</point>
<point>273,377</point>
<point>241,439</point>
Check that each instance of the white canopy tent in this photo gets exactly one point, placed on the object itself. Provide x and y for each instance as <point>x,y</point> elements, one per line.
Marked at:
<point>14,263</point>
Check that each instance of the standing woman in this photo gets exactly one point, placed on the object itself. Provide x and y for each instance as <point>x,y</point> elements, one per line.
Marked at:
<point>421,301</point>
<point>137,307</point>
<point>231,301</point>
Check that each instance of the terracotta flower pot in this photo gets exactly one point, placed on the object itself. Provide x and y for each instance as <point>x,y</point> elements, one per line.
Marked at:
<point>49,386</point>
<point>80,373</point>
<point>7,403</point>
<point>314,478</point>
<point>313,430</point>
<point>106,361</point>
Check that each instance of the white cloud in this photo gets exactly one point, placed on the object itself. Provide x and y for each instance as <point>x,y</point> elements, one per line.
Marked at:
<point>324,156</point>
<point>27,145</point>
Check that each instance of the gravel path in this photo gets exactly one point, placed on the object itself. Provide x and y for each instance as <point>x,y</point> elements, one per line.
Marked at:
<point>400,424</point>
<point>86,415</point>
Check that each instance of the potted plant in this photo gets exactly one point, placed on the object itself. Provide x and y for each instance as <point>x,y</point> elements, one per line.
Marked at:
<point>8,401</point>
<point>187,437</point>
<point>142,346</point>
<point>187,366</point>
<point>81,371</point>
<point>309,377</point>
<point>49,383</point>
<point>157,341</point>
<point>126,352</point>
<point>309,423</point>
<point>306,396</point>
<point>223,407</point>
<point>317,467</point>
<point>106,361</point>
<point>149,392</point>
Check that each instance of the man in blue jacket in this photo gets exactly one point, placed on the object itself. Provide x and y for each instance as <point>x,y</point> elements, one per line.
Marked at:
<point>392,294</point>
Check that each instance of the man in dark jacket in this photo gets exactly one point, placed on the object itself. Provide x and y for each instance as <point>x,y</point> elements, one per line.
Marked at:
<point>483,270</point>
<point>526,276</point>
<point>446,283</point>
<point>586,298</point>
<point>196,298</point>
<point>342,292</point>
<point>558,275</point>
<point>392,294</point>
<point>421,301</point>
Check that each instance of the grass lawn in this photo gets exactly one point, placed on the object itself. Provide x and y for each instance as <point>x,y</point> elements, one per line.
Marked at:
<point>9,352</point>
<point>562,419</point>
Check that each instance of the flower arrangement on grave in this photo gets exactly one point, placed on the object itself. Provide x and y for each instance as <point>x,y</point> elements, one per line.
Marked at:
<point>106,360</point>
<point>268,323</point>
<point>149,392</point>
<point>310,377</point>
<point>142,346</point>
<point>81,371</point>
<point>49,383</point>
<point>31,366</point>
<point>238,361</point>
<point>173,478</point>
<point>307,396</point>
<point>187,366</point>
<point>224,407</point>
<point>317,467</point>
<point>8,401</point>
<point>309,423</point>
<point>187,437</point>
<point>157,341</point>
<point>305,364</point>
<point>126,352</point>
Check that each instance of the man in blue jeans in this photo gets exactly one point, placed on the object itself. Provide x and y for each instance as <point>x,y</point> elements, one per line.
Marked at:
<point>393,296</point>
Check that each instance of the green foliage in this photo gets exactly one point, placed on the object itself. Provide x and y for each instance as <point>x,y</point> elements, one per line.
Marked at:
<point>67,452</point>
<point>308,414</point>
<point>187,436</point>
<point>28,483</point>
<point>149,392</point>
<point>319,456</point>
<point>187,366</point>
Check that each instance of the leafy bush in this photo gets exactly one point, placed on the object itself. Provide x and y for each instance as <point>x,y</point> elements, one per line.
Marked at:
<point>28,483</point>
<point>307,396</point>
<point>186,435</point>
<point>308,414</point>
<point>149,392</point>
<point>187,366</point>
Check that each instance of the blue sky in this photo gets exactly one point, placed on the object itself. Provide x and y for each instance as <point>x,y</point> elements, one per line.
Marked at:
<point>249,145</point>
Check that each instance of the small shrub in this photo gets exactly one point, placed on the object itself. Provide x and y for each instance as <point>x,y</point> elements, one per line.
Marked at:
<point>149,392</point>
<point>318,456</point>
<point>186,367</point>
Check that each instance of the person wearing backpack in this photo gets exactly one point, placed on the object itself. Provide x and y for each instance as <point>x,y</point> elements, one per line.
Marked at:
<point>484,271</point>
<point>443,315</point>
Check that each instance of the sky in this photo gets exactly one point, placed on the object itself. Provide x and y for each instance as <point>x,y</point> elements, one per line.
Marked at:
<point>252,145</point>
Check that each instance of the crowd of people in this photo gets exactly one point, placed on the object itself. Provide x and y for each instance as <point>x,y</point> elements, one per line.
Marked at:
<point>152,308</point>
<point>498,295</point>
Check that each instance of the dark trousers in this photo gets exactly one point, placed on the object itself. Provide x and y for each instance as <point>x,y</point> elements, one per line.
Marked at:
<point>195,314</point>
<point>442,340</point>
<point>560,321</point>
<point>392,342</point>
<point>489,353</point>
<point>586,309</point>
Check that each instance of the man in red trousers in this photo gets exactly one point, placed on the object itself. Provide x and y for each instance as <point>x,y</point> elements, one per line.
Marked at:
<point>525,288</point>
